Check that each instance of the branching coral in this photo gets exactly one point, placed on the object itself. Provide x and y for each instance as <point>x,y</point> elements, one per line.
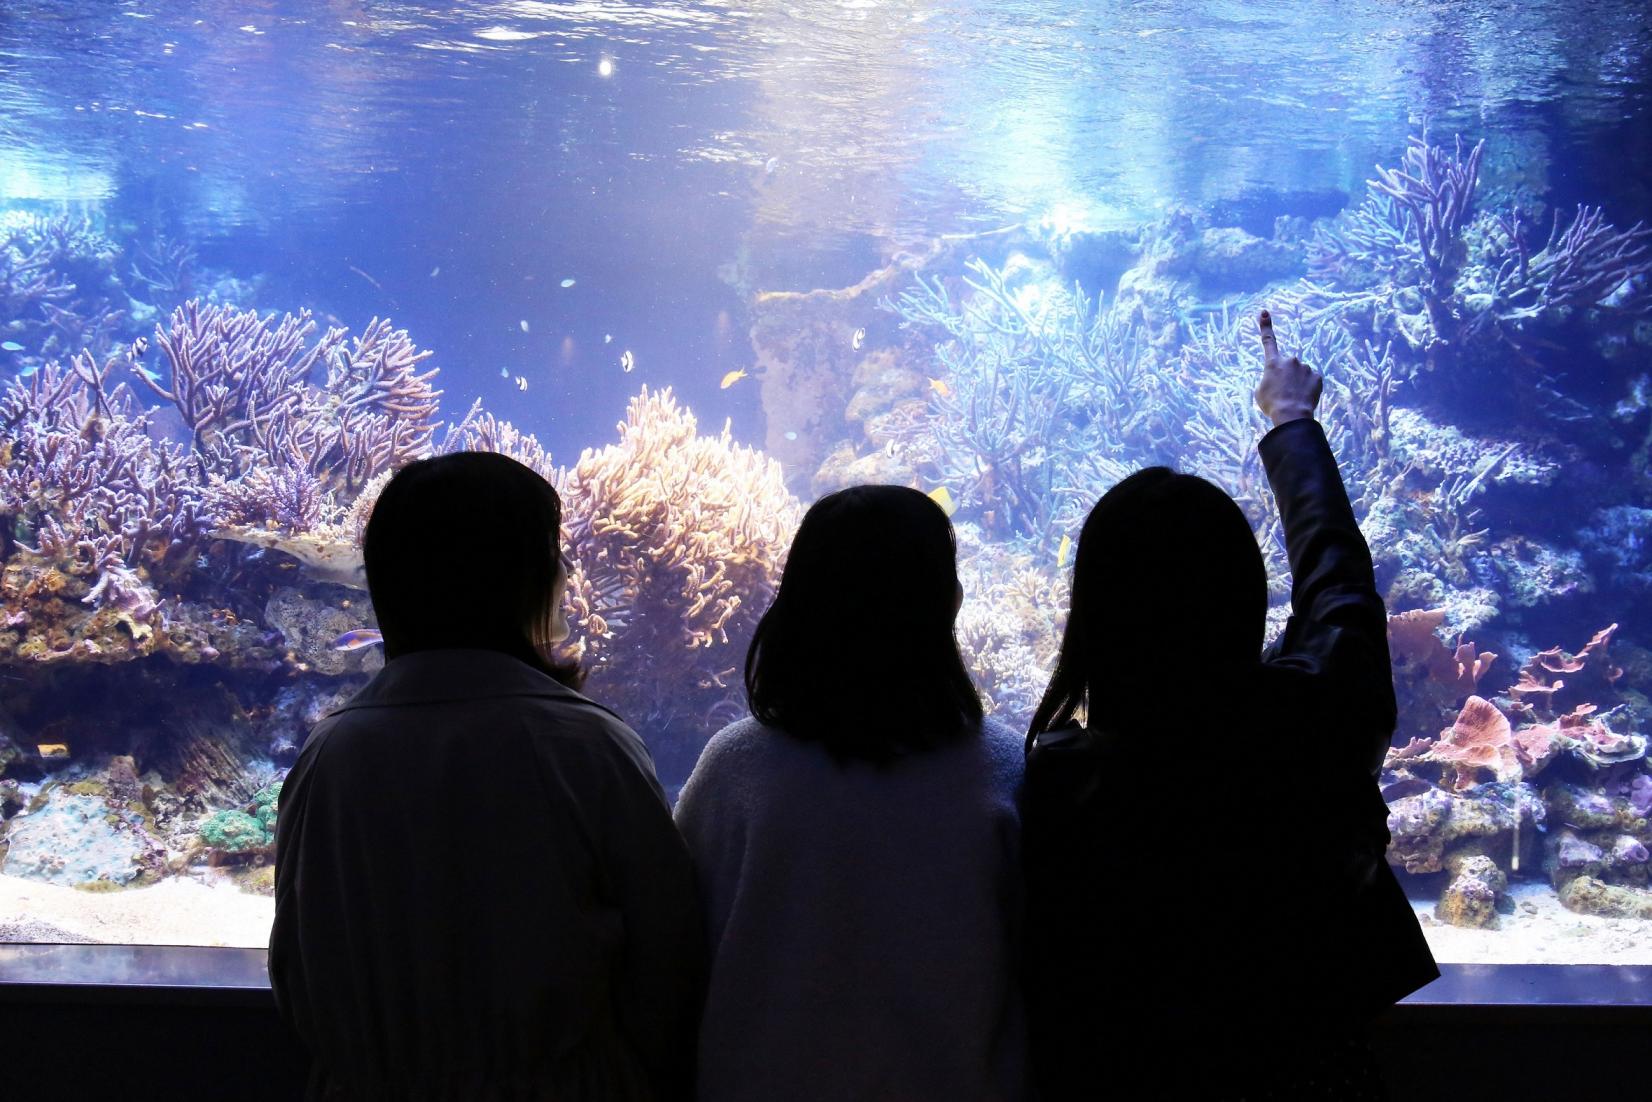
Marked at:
<point>59,291</point>
<point>1009,626</point>
<point>232,373</point>
<point>677,541</point>
<point>286,497</point>
<point>86,482</point>
<point>1040,392</point>
<point>245,386</point>
<point>1417,260</point>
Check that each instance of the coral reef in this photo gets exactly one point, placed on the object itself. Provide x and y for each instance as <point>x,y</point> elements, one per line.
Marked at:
<point>175,514</point>
<point>1009,627</point>
<point>86,830</point>
<point>677,541</point>
<point>1417,260</point>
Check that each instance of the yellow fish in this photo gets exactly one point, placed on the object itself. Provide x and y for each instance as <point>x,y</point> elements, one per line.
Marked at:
<point>942,496</point>
<point>731,378</point>
<point>1063,552</point>
<point>53,749</point>
<point>939,387</point>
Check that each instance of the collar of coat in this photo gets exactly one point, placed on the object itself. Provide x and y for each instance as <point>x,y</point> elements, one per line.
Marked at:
<point>433,676</point>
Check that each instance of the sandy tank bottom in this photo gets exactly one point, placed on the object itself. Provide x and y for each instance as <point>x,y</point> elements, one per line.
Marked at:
<point>196,912</point>
<point>1540,931</point>
<point>179,911</point>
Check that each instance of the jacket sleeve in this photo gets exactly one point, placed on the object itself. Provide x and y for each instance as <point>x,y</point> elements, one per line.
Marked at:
<point>660,984</point>
<point>1338,631</point>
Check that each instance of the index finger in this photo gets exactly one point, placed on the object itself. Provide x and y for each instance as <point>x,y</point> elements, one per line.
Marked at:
<point>1270,346</point>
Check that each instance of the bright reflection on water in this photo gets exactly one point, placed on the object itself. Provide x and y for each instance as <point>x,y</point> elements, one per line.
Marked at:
<point>675,157</point>
<point>891,118</point>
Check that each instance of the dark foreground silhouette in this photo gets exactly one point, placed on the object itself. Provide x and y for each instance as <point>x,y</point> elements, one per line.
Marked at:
<point>479,890</point>
<point>1210,911</point>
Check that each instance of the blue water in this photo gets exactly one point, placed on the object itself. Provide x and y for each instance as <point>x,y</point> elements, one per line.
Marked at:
<point>299,141</point>
<point>544,193</point>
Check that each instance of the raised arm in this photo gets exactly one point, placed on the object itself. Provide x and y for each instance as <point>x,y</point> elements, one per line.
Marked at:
<point>1338,630</point>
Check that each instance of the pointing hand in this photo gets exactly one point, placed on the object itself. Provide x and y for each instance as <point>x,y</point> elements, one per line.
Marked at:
<point>1289,389</point>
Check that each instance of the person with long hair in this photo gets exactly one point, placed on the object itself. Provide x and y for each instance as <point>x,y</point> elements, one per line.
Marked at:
<point>480,893</point>
<point>1210,914</point>
<point>857,838</point>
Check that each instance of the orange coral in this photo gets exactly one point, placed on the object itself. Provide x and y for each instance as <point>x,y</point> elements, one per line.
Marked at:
<point>678,541</point>
<point>1480,739</point>
<point>1554,679</point>
<point>1413,644</point>
<point>1431,679</point>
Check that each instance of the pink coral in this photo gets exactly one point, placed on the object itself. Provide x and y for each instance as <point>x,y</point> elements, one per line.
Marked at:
<point>1480,739</point>
<point>1554,680</point>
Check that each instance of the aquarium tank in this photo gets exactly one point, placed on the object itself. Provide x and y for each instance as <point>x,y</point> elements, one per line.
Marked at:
<point>699,263</point>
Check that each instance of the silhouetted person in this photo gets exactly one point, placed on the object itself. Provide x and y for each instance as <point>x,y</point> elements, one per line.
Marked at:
<point>857,840</point>
<point>479,890</point>
<point>1210,912</point>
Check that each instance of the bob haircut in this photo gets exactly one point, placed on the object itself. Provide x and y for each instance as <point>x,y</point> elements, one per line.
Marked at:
<point>857,651</point>
<point>1167,566</point>
<point>461,551</point>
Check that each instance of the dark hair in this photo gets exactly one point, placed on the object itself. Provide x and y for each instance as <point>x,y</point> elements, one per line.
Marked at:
<point>1169,604</point>
<point>461,551</point>
<point>857,650</point>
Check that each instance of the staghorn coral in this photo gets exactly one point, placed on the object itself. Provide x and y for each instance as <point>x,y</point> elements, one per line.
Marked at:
<point>96,493</point>
<point>677,540</point>
<point>1009,626</point>
<point>243,384</point>
<point>60,293</point>
<point>284,497</point>
<point>1039,389</point>
<point>1417,260</point>
<point>232,371</point>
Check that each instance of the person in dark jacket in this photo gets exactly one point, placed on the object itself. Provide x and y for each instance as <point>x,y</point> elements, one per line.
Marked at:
<point>480,893</point>
<point>1210,914</point>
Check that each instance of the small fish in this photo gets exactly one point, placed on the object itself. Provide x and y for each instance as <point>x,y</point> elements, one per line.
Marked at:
<point>608,338</point>
<point>567,283</point>
<point>940,387</point>
<point>152,376</point>
<point>942,496</point>
<point>28,369</point>
<point>52,750</point>
<point>358,639</point>
<point>524,324</point>
<point>791,434</point>
<point>139,347</point>
<point>436,271</point>
<point>11,346</point>
<point>731,378</point>
<point>1063,552</point>
<point>628,362</point>
<point>858,339</point>
<point>504,372</point>
<point>365,276</point>
<point>521,383</point>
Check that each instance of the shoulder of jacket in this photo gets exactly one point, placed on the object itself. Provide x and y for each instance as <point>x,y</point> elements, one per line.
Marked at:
<point>1071,737</point>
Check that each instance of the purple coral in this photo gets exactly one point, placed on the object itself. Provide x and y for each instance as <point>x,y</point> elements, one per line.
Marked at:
<point>286,497</point>
<point>1579,266</point>
<point>1574,853</point>
<point>1640,794</point>
<point>1628,850</point>
<point>97,490</point>
<point>232,371</point>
